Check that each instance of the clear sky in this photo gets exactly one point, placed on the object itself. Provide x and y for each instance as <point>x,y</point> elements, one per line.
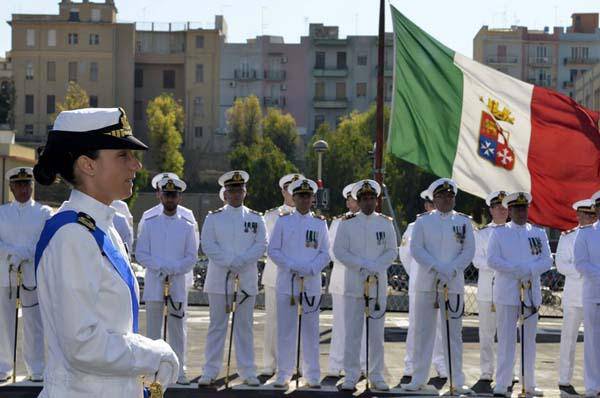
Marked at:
<point>455,23</point>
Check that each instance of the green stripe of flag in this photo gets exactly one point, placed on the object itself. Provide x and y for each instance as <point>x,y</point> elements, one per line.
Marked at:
<point>427,104</point>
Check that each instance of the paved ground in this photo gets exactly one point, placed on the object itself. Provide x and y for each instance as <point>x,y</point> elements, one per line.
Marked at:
<point>395,334</point>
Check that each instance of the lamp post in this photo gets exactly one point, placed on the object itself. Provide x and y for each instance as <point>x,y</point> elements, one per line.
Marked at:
<point>320,148</point>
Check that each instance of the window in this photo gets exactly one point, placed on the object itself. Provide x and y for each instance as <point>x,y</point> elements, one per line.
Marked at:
<point>541,52</point>
<point>73,38</point>
<point>199,41</point>
<point>29,104</point>
<point>168,78</point>
<point>361,89</point>
<point>580,52</point>
<point>319,120</point>
<point>29,70</point>
<point>29,129</point>
<point>138,110</point>
<point>94,39</point>
<point>94,71</point>
<point>93,101</point>
<point>340,90</point>
<point>501,50</point>
<point>139,78</point>
<point>52,38</point>
<point>198,131</point>
<point>95,15</point>
<point>50,104</point>
<point>198,106</point>
<point>361,60</point>
<point>341,60</point>
<point>30,37</point>
<point>320,60</point>
<point>74,15</point>
<point>73,71</point>
<point>199,73</point>
<point>51,71</point>
<point>319,90</point>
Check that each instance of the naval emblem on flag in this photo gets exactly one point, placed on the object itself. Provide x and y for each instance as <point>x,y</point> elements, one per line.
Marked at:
<point>493,139</point>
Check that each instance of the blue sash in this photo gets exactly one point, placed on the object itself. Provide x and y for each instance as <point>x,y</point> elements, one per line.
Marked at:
<point>114,256</point>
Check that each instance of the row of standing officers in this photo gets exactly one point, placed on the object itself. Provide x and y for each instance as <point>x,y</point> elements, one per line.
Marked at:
<point>435,250</point>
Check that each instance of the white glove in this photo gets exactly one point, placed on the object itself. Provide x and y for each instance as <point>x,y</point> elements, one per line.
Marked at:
<point>523,274</point>
<point>444,278</point>
<point>168,368</point>
<point>236,265</point>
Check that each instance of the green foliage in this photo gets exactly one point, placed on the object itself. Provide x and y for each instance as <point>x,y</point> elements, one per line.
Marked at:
<point>281,129</point>
<point>165,125</point>
<point>139,183</point>
<point>75,98</point>
<point>266,164</point>
<point>244,121</point>
<point>7,102</point>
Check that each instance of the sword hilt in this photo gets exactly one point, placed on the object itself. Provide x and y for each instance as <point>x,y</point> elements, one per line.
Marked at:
<point>155,390</point>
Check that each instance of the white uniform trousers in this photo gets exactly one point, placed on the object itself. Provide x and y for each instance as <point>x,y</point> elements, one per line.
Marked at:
<point>572,319</point>
<point>507,317</point>
<point>354,322</point>
<point>487,345</point>
<point>287,331</point>
<point>270,343</point>
<point>425,331</point>
<point>591,342</point>
<point>176,323</point>
<point>33,333</point>
<point>338,336</point>
<point>439,361</point>
<point>218,330</point>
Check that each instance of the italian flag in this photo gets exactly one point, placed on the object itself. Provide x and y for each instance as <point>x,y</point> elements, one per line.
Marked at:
<point>488,131</point>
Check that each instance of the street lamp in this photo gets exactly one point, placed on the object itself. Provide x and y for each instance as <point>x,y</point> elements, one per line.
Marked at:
<point>320,148</point>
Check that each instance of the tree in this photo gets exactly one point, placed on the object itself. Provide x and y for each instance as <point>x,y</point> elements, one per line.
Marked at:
<point>76,98</point>
<point>266,164</point>
<point>7,101</point>
<point>244,121</point>
<point>165,125</point>
<point>281,129</point>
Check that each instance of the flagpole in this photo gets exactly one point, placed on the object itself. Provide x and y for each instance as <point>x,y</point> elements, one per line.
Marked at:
<point>379,112</point>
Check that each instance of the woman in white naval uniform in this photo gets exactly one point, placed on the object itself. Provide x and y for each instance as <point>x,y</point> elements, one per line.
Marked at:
<point>572,298</point>
<point>587,263</point>
<point>89,297</point>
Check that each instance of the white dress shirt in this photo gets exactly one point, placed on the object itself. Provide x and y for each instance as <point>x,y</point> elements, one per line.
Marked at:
<point>233,239</point>
<point>367,242</point>
<point>269,276</point>
<point>166,246</point>
<point>20,228</point>
<point>518,253</point>
<point>87,314</point>
<point>485,279</point>
<point>587,261</point>
<point>299,244</point>
<point>565,264</point>
<point>442,243</point>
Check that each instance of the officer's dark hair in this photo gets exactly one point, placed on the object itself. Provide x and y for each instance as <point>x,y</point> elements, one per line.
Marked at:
<point>53,163</point>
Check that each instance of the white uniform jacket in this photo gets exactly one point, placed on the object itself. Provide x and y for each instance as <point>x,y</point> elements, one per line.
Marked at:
<point>565,264</point>
<point>300,244</point>
<point>365,242</point>
<point>518,253</point>
<point>269,276</point>
<point>587,261</point>
<point>20,228</point>
<point>123,209</point>
<point>442,243</point>
<point>408,261</point>
<point>233,239</point>
<point>87,314</point>
<point>166,246</point>
<point>336,281</point>
<point>485,279</point>
<point>124,230</point>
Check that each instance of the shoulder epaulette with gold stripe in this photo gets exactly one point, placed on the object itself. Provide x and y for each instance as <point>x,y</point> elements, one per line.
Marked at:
<point>348,217</point>
<point>255,212</point>
<point>216,211</point>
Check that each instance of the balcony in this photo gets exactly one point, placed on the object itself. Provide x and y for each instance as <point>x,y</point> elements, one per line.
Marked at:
<point>541,83</point>
<point>278,102</point>
<point>323,103</point>
<point>274,75</point>
<point>581,61</point>
<point>245,74</point>
<point>540,61</point>
<point>320,71</point>
<point>568,84</point>
<point>502,59</point>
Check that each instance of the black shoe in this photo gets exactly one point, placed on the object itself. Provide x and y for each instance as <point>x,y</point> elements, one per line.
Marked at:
<point>405,379</point>
<point>483,387</point>
<point>568,391</point>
